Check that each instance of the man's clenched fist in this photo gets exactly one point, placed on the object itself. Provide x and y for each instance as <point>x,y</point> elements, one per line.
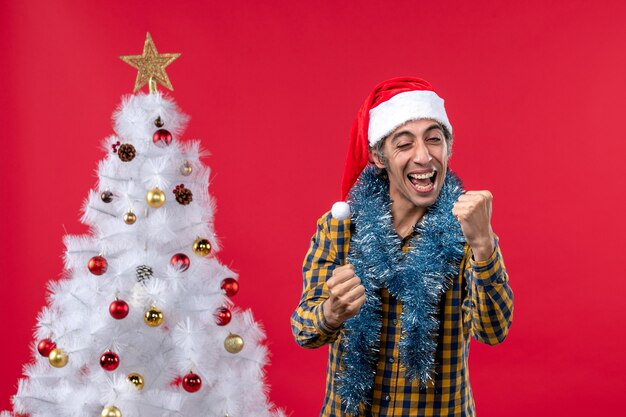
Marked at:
<point>347,295</point>
<point>473,211</point>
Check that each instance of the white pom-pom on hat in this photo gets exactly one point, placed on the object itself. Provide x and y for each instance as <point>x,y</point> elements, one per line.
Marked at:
<point>340,210</point>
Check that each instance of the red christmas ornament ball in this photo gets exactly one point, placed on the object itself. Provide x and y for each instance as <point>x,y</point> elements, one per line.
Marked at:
<point>109,361</point>
<point>162,138</point>
<point>223,316</point>
<point>98,265</point>
<point>230,286</point>
<point>45,346</point>
<point>192,382</point>
<point>180,261</point>
<point>118,309</point>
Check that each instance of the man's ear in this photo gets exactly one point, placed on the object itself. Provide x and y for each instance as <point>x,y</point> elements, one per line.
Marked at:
<point>375,158</point>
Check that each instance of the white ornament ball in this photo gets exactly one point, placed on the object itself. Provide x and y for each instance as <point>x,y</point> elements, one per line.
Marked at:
<point>340,210</point>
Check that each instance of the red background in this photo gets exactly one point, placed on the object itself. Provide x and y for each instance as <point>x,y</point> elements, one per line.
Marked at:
<point>535,91</point>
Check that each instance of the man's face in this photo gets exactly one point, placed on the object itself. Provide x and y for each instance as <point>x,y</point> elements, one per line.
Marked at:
<point>417,158</point>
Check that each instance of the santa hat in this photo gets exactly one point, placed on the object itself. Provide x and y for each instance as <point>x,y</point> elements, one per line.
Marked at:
<point>391,104</point>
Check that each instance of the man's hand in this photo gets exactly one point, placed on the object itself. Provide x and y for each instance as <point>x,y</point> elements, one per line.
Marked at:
<point>347,295</point>
<point>473,211</point>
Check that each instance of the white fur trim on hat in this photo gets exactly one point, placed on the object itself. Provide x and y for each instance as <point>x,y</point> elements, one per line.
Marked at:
<point>403,107</point>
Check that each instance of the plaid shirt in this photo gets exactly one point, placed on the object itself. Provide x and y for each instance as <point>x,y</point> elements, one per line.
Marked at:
<point>479,303</point>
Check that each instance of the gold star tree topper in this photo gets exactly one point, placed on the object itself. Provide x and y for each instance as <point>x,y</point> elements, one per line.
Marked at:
<point>151,66</point>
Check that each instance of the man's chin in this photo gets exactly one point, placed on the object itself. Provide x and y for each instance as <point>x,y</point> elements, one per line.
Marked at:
<point>425,199</point>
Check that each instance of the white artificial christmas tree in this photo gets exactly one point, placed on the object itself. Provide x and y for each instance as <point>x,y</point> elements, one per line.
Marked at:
<point>143,325</point>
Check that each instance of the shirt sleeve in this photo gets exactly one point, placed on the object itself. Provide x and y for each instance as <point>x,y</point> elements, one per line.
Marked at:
<point>488,307</point>
<point>327,251</point>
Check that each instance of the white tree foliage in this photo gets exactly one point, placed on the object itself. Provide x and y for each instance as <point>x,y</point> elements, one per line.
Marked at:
<point>77,316</point>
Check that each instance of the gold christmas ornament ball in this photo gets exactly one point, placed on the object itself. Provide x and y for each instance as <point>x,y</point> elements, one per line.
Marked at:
<point>153,317</point>
<point>202,247</point>
<point>58,358</point>
<point>186,169</point>
<point>130,217</point>
<point>155,198</point>
<point>233,343</point>
<point>111,411</point>
<point>136,380</point>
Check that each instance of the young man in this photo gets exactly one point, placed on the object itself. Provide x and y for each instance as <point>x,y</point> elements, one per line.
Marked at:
<point>398,288</point>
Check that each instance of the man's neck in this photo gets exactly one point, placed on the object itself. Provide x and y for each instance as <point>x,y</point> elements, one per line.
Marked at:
<point>405,215</point>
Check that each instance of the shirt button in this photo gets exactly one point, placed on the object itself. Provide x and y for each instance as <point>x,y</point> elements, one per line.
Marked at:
<point>390,360</point>
<point>394,321</point>
<point>387,397</point>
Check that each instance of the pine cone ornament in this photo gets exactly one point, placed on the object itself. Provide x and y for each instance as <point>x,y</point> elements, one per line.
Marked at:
<point>126,152</point>
<point>183,195</point>
<point>144,273</point>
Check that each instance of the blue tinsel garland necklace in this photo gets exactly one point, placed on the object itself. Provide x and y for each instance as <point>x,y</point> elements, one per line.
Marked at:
<point>418,279</point>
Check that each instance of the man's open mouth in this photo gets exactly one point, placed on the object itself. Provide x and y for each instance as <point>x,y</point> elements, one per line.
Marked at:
<point>423,181</point>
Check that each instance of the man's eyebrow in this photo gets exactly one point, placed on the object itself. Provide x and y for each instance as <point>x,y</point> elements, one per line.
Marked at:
<point>401,133</point>
<point>432,127</point>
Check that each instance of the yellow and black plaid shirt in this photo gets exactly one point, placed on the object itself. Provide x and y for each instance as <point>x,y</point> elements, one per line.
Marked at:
<point>479,303</point>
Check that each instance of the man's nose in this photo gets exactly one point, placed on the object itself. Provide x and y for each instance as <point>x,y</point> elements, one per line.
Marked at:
<point>421,156</point>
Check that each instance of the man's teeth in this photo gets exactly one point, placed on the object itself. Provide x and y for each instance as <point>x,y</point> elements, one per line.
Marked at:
<point>422,176</point>
<point>423,187</point>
